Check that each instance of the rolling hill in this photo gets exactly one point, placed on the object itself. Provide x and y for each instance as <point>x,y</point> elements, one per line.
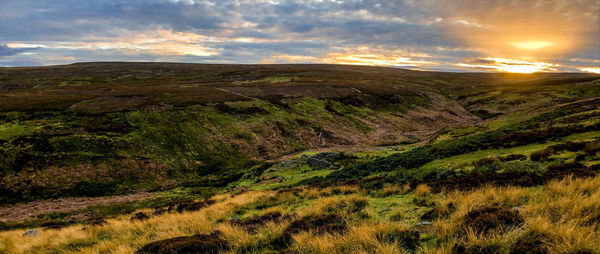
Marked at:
<point>298,158</point>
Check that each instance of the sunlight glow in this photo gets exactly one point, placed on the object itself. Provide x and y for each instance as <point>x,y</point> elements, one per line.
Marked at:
<point>531,45</point>
<point>514,66</point>
<point>376,60</point>
<point>359,57</point>
<point>591,69</point>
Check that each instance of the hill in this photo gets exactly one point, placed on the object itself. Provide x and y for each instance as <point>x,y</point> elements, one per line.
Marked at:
<point>301,158</point>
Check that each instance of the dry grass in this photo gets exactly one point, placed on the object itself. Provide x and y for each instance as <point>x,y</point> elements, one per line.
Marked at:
<point>389,190</point>
<point>422,191</point>
<point>127,236</point>
<point>564,216</point>
<point>567,212</point>
<point>359,239</point>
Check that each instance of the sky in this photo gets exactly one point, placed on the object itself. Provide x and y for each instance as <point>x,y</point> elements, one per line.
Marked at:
<point>448,35</point>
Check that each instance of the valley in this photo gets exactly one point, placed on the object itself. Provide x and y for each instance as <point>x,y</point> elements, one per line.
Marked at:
<point>296,158</point>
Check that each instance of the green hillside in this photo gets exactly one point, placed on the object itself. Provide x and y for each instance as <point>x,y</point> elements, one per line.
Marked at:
<point>298,159</point>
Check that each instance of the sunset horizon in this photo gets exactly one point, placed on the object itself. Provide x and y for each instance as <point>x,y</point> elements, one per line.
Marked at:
<point>300,126</point>
<point>458,36</point>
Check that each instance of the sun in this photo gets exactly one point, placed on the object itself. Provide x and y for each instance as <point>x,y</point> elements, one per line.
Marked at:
<point>531,45</point>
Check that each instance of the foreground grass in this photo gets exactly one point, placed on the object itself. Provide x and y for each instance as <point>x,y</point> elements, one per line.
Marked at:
<point>561,216</point>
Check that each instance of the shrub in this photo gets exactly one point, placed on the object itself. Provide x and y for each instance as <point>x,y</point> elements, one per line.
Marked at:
<point>357,204</point>
<point>592,148</point>
<point>476,249</point>
<point>389,190</point>
<point>509,136</point>
<point>595,167</point>
<point>422,196</point>
<point>397,215</point>
<point>489,218</point>
<point>3,226</point>
<point>531,243</point>
<point>320,224</point>
<point>201,243</point>
<point>486,160</point>
<point>513,157</point>
<point>575,169</point>
<point>439,212</point>
<point>93,189</point>
<point>252,224</point>
<point>554,149</point>
<point>139,216</point>
<point>422,191</point>
<point>407,239</point>
<point>541,154</point>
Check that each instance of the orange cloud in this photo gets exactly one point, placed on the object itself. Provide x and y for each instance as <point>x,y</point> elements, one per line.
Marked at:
<point>373,60</point>
<point>511,65</point>
<point>362,55</point>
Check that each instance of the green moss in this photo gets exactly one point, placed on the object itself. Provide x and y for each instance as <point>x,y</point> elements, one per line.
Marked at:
<point>9,131</point>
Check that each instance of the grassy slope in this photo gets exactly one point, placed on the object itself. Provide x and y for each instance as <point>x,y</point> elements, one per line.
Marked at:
<point>173,122</point>
<point>216,139</point>
<point>385,222</point>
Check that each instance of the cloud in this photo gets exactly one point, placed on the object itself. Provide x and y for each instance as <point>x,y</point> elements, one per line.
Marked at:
<point>430,34</point>
<point>511,65</point>
<point>8,51</point>
<point>528,28</point>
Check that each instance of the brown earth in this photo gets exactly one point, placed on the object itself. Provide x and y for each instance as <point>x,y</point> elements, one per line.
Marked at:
<point>26,211</point>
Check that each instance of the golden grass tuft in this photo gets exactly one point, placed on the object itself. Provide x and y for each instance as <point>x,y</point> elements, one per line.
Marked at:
<point>126,236</point>
<point>567,211</point>
<point>359,239</point>
<point>390,190</point>
<point>564,215</point>
<point>422,191</point>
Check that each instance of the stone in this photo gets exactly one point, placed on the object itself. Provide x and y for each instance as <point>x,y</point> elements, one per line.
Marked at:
<point>31,233</point>
<point>318,163</point>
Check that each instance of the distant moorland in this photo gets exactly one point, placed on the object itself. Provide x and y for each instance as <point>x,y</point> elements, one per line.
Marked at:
<point>206,158</point>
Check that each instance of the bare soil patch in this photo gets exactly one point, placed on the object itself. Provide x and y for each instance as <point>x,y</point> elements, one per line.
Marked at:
<point>27,211</point>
